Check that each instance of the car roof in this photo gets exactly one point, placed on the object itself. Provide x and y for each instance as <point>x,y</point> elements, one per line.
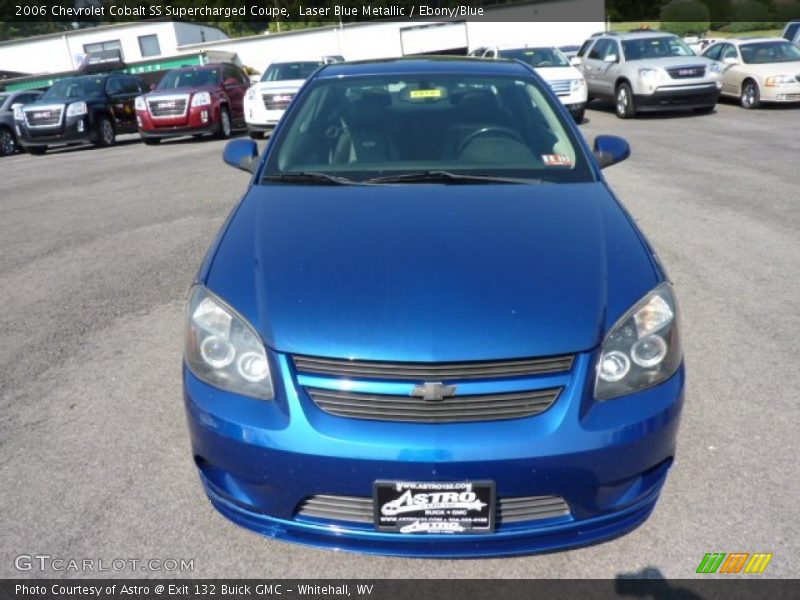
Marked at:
<point>755,38</point>
<point>427,64</point>
<point>633,35</point>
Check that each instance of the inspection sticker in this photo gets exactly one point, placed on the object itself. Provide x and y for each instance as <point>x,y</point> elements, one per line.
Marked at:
<point>418,94</point>
<point>556,160</point>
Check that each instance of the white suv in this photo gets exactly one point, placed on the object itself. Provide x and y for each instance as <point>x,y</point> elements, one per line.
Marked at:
<point>267,100</point>
<point>554,67</point>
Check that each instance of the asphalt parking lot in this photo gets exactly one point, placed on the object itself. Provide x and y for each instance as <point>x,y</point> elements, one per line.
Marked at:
<point>98,248</point>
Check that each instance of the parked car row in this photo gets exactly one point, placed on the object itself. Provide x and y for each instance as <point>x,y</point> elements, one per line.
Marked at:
<point>638,71</point>
<point>651,70</point>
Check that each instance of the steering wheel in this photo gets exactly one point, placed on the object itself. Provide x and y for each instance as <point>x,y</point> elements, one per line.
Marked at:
<point>492,129</point>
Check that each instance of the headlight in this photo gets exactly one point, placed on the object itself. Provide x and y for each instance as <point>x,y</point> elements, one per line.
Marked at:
<point>642,349</point>
<point>76,109</point>
<point>251,93</point>
<point>139,103</point>
<point>576,84</point>
<point>201,99</point>
<point>18,114</point>
<point>223,350</point>
<point>714,68</point>
<point>778,80</point>
<point>649,75</point>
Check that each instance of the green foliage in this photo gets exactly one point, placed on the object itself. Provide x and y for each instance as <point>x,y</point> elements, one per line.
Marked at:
<point>683,17</point>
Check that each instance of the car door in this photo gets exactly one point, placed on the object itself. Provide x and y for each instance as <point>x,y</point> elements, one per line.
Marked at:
<point>601,66</point>
<point>732,71</point>
<point>121,92</point>
<point>235,84</point>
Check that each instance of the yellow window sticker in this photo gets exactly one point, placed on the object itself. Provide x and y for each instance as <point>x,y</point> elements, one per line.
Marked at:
<point>419,94</point>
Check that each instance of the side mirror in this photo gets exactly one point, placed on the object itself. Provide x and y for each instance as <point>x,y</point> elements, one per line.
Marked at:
<point>152,86</point>
<point>610,149</point>
<point>231,81</point>
<point>575,61</point>
<point>611,58</point>
<point>730,61</point>
<point>16,106</point>
<point>242,154</point>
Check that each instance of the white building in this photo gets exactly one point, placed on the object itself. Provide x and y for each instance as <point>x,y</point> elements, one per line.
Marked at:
<point>535,22</point>
<point>393,38</point>
<point>59,52</point>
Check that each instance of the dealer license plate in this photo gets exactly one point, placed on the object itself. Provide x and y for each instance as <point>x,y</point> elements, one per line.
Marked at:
<point>439,507</point>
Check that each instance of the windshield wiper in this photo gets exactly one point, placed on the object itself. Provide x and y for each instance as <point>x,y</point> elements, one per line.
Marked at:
<point>311,177</point>
<point>446,177</point>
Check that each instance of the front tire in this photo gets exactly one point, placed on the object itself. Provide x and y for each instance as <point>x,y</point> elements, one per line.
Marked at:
<point>750,97</point>
<point>224,131</point>
<point>8,143</point>
<point>578,115</point>
<point>623,105</point>
<point>37,150</point>
<point>106,136</point>
<point>255,135</point>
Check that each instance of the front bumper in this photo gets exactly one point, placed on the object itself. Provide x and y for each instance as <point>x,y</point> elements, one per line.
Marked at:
<point>199,120</point>
<point>259,461</point>
<point>74,130</point>
<point>669,97</point>
<point>780,93</point>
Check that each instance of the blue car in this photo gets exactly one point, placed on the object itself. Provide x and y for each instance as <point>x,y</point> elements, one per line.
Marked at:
<point>429,328</point>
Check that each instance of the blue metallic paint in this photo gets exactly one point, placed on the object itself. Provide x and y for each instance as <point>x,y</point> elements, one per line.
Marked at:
<point>433,273</point>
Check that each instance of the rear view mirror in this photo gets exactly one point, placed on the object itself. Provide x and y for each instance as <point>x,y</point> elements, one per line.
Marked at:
<point>610,149</point>
<point>575,61</point>
<point>242,154</point>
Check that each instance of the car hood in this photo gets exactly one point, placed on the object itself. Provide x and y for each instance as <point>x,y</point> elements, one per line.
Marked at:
<point>669,62</point>
<point>558,73</point>
<point>181,90</point>
<point>431,272</point>
<point>285,85</point>
<point>768,69</point>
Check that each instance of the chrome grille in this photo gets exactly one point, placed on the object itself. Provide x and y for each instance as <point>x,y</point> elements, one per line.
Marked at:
<point>277,101</point>
<point>561,87</point>
<point>167,106</point>
<point>357,509</point>
<point>455,409</point>
<point>687,72</point>
<point>357,369</point>
<point>44,116</point>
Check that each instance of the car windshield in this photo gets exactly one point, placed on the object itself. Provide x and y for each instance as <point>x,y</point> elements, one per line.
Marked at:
<point>77,87</point>
<point>428,125</point>
<point>655,47</point>
<point>189,78</point>
<point>290,70</point>
<point>537,57</point>
<point>769,52</point>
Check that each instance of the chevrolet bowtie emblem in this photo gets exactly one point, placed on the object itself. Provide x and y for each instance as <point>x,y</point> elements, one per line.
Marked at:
<point>433,391</point>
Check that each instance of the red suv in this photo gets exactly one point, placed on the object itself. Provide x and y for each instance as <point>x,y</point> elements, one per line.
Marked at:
<point>193,101</point>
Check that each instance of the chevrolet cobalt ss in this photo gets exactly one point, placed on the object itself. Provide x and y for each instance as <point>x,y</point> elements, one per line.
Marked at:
<point>429,328</point>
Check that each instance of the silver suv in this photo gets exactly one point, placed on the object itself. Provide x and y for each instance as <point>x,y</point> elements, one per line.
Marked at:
<point>648,70</point>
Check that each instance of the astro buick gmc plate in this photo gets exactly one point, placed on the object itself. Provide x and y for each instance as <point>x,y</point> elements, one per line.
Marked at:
<point>434,507</point>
